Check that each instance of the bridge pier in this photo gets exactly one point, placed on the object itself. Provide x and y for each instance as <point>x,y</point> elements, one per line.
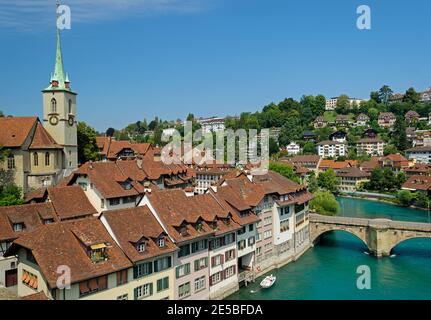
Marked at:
<point>379,240</point>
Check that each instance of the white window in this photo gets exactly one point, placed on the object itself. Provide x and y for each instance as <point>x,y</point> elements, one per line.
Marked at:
<point>200,284</point>
<point>18,227</point>
<point>229,272</point>
<point>267,234</point>
<point>161,242</point>
<point>141,247</point>
<point>216,278</point>
<point>123,297</point>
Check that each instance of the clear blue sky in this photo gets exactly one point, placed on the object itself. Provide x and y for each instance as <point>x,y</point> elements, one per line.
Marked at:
<point>209,57</point>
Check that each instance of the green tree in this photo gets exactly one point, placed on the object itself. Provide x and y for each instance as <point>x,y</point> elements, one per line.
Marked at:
<point>87,145</point>
<point>385,93</point>
<point>390,149</point>
<point>273,146</point>
<point>325,203</point>
<point>284,170</point>
<point>389,180</point>
<point>313,186</point>
<point>309,148</point>
<point>405,198</point>
<point>422,200</point>
<point>328,180</point>
<point>343,104</point>
<point>399,135</point>
<point>411,96</point>
<point>10,195</point>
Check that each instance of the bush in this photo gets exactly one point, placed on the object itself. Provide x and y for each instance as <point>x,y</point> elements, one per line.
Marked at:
<point>405,198</point>
<point>325,203</point>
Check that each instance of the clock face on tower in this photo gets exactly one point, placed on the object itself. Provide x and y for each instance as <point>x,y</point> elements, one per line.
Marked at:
<point>53,120</point>
<point>71,121</point>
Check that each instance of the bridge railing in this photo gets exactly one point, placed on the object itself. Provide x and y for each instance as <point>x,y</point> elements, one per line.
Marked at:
<point>400,225</point>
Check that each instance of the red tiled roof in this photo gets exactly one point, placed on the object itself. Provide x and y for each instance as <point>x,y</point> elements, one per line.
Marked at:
<point>422,183</point>
<point>324,164</point>
<point>64,244</point>
<point>42,139</point>
<point>15,130</point>
<point>31,215</point>
<point>131,226</point>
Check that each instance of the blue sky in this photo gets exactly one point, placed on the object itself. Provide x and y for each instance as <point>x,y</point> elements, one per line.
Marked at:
<point>135,59</point>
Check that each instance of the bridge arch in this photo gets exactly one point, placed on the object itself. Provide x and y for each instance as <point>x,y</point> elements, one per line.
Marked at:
<point>317,230</point>
<point>408,237</point>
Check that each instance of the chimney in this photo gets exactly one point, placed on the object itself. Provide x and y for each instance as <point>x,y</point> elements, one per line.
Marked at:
<point>139,162</point>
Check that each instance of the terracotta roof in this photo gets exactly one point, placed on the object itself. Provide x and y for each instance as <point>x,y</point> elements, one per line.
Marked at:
<point>176,210</point>
<point>305,159</point>
<point>31,215</point>
<point>337,164</point>
<point>353,173</point>
<point>115,147</point>
<point>130,226</point>
<point>387,114</point>
<point>419,168</point>
<point>422,183</point>
<point>70,202</point>
<point>14,130</point>
<point>371,164</point>
<point>65,243</point>
<point>396,157</point>
<point>274,183</point>
<point>42,139</point>
<point>331,142</point>
<point>36,296</point>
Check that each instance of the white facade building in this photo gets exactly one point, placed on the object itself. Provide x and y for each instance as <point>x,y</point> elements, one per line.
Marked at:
<point>293,149</point>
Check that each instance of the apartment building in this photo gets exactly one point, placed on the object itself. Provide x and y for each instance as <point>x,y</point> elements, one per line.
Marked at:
<point>386,119</point>
<point>73,260</point>
<point>112,150</point>
<point>370,146</point>
<point>205,232</point>
<point>331,104</point>
<point>208,174</point>
<point>141,237</point>
<point>351,178</point>
<point>331,149</point>
<point>362,120</point>
<point>420,154</point>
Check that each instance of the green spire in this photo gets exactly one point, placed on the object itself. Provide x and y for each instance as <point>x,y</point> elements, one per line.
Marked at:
<point>59,78</point>
<point>59,69</point>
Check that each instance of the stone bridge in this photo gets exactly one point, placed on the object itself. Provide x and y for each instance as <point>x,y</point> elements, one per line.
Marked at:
<point>379,235</point>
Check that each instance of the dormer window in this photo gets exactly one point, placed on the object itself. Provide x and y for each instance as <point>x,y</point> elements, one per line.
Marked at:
<point>161,242</point>
<point>17,227</point>
<point>48,221</point>
<point>98,253</point>
<point>199,226</point>
<point>141,247</point>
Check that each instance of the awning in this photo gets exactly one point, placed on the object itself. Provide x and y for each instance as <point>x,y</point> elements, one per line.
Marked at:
<point>98,246</point>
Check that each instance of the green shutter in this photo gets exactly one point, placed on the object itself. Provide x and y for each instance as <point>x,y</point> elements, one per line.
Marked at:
<point>187,269</point>
<point>159,285</point>
<point>156,266</point>
<point>196,265</point>
<point>166,283</point>
<point>177,272</point>
<point>136,293</point>
<point>151,289</point>
<point>169,262</point>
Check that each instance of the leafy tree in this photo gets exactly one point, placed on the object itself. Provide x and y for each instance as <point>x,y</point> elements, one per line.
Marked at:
<point>376,179</point>
<point>390,149</point>
<point>389,180</point>
<point>375,96</point>
<point>411,96</point>
<point>309,148</point>
<point>405,198</point>
<point>273,146</point>
<point>284,170</point>
<point>1,114</point>
<point>319,105</point>
<point>422,200</point>
<point>399,136</point>
<point>325,203</point>
<point>343,104</point>
<point>385,93</point>
<point>313,186</point>
<point>10,195</point>
<point>87,145</point>
<point>110,132</point>
<point>328,180</point>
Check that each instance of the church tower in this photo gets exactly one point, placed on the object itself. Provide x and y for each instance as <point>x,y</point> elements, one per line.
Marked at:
<point>59,112</point>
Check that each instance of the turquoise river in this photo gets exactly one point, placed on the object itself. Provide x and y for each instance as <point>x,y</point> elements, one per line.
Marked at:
<point>328,271</point>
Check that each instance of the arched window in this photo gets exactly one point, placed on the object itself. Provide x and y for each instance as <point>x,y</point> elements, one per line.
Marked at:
<point>70,106</point>
<point>47,159</point>
<point>35,159</point>
<point>53,105</point>
<point>11,162</point>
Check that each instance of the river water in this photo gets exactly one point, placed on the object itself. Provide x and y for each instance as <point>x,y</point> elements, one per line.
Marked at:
<point>329,270</point>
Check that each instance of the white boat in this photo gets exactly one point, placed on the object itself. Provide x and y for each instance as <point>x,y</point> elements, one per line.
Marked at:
<point>268,282</point>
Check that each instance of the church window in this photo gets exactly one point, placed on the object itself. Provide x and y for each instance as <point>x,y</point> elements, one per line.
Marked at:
<point>53,105</point>
<point>47,159</point>
<point>11,162</point>
<point>70,106</point>
<point>35,159</point>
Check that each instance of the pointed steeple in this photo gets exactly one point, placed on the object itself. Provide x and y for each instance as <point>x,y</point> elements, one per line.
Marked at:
<point>59,79</point>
